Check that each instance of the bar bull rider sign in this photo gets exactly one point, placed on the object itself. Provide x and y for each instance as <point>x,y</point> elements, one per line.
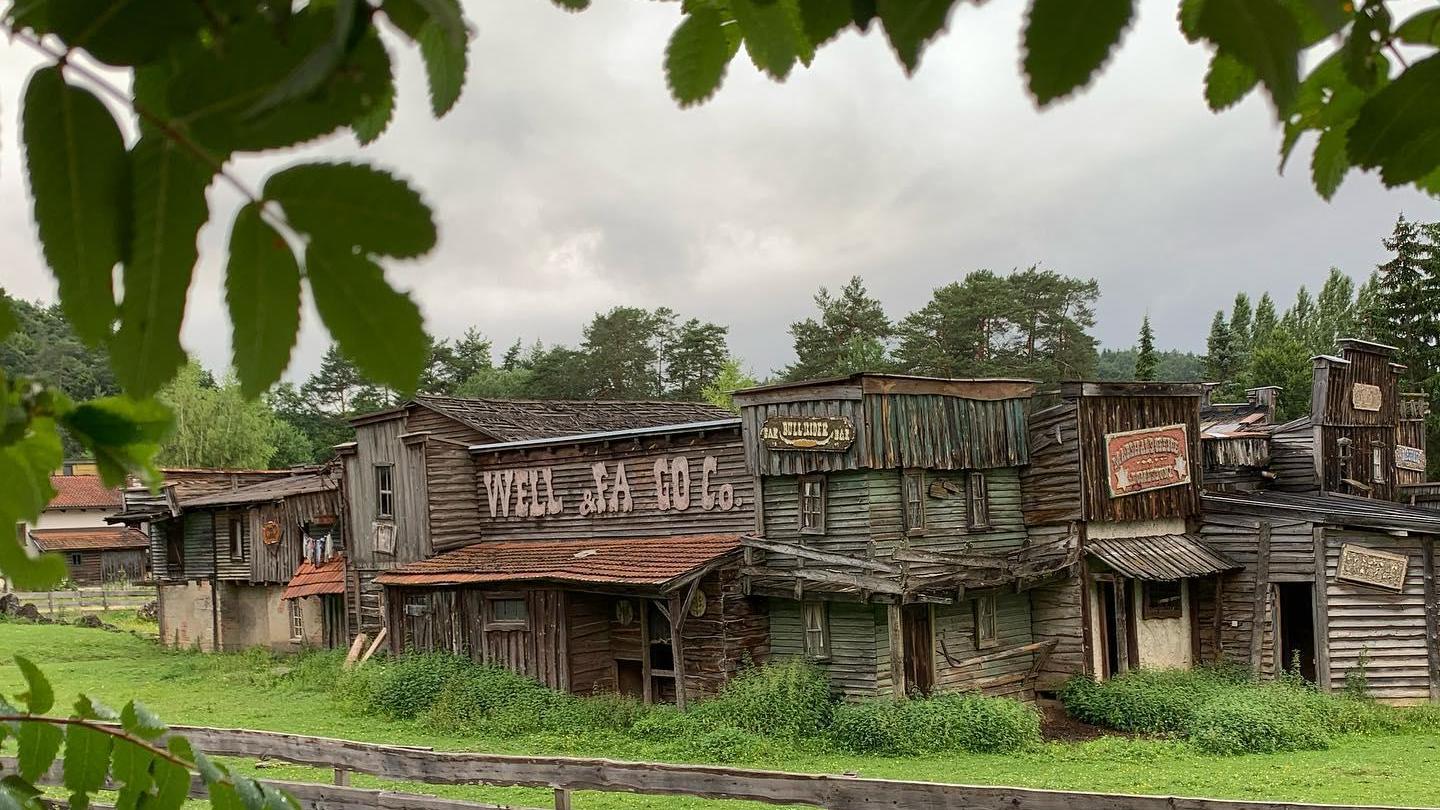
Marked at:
<point>1146,459</point>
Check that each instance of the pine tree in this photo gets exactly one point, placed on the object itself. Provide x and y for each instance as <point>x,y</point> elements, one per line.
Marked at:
<point>1220,357</point>
<point>1147,365</point>
<point>852,328</point>
<point>1405,309</point>
<point>1334,312</point>
<point>1266,319</point>
<point>1241,326</point>
<point>694,357</point>
<point>1367,301</point>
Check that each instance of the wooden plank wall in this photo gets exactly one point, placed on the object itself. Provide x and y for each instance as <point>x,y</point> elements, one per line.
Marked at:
<point>199,545</point>
<point>1058,615</point>
<point>277,562</point>
<point>846,404</point>
<point>380,443</point>
<point>88,571</point>
<point>1292,459</point>
<point>1051,482</point>
<point>129,563</point>
<point>1103,415</point>
<point>454,511</point>
<point>732,633</point>
<point>1004,671</point>
<point>854,629</point>
<point>1362,438</point>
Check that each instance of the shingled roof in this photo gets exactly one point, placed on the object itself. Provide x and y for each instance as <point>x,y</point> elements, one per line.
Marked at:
<point>88,539</point>
<point>515,419</point>
<point>82,492</point>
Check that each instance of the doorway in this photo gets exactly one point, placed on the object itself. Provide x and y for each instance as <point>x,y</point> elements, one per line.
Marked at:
<point>919,649</point>
<point>1111,596</point>
<point>1295,628</point>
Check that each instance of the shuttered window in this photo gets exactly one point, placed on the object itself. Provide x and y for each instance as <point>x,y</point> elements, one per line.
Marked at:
<point>816,619</point>
<point>913,488</point>
<point>385,490</point>
<point>985,622</point>
<point>979,499</point>
<point>812,504</point>
<point>507,613</point>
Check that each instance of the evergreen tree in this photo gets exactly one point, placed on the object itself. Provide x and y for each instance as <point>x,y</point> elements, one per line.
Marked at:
<point>1051,314</point>
<point>1147,365</point>
<point>512,360</point>
<point>1220,357</point>
<point>1367,302</point>
<point>1241,326</point>
<point>337,383</point>
<point>1334,312</point>
<point>621,353</point>
<point>1265,321</point>
<point>1281,359</point>
<point>964,331</point>
<point>852,328</point>
<point>1406,309</point>
<point>694,358</point>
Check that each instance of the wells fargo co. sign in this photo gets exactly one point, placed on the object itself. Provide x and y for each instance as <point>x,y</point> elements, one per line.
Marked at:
<point>815,433</point>
<point>1149,458</point>
<point>1368,566</point>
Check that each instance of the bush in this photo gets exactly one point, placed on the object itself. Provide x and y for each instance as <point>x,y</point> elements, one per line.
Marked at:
<point>942,723</point>
<point>1257,721</point>
<point>475,698</point>
<point>1146,701</point>
<point>786,700</point>
<point>406,687</point>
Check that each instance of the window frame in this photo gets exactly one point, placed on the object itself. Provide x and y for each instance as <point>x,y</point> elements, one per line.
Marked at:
<point>492,623</point>
<point>977,491</point>
<point>1377,463</point>
<point>802,499</point>
<point>821,609</point>
<point>913,526</point>
<point>985,614</point>
<point>76,559</point>
<point>384,494</point>
<point>1151,609</point>
<point>236,526</point>
<point>297,621</point>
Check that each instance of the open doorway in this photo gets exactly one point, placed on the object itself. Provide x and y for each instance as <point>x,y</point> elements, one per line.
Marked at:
<point>1112,627</point>
<point>1295,627</point>
<point>919,650</point>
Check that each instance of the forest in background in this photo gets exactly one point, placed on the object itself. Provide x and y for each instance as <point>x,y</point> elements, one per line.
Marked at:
<point>1032,323</point>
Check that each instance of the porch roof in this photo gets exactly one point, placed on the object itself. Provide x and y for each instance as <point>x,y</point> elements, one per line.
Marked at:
<point>101,538</point>
<point>650,562</point>
<point>317,580</point>
<point>1160,557</point>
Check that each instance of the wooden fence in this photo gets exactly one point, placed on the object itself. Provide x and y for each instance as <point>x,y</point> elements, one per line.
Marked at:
<point>564,775</point>
<point>87,600</point>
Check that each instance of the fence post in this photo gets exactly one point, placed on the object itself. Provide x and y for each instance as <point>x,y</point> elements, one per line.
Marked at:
<point>562,799</point>
<point>104,601</point>
<point>50,598</point>
<point>342,777</point>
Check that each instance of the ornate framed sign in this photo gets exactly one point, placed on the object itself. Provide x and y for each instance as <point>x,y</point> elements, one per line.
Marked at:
<point>1148,458</point>
<point>1368,566</point>
<point>1409,458</point>
<point>829,434</point>
<point>270,532</point>
<point>1365,397</point>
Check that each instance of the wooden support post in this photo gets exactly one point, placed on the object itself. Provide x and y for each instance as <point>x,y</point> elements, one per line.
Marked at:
<point>1123,624</point>
<point>893,615</point>
<point>356,647</point>
<point>678,609</point>
<point>374,645</point>
<point>1321,604</point>
<point>342,777</point>
<point>1432,615</point>
<point>1261,598</point>
<point>562,799</point>
<point>647,680</point>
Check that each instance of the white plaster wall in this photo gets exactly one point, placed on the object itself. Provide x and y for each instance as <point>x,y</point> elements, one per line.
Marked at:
<point>72,519</point>
<point>185,618</point>
<point>1162,643</point>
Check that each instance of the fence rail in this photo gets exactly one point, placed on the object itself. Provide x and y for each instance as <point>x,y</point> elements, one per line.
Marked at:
<point>567,774</point>
<point>51,603</point>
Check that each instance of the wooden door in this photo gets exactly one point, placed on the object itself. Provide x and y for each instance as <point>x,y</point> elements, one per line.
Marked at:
<point>919,649</point>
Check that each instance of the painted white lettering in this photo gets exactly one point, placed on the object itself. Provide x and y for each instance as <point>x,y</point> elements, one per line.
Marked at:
<point>680,483</point>
<point>707,498</point>
<point>662,484</point>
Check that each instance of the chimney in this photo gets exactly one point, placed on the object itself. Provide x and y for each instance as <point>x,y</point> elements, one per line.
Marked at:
<point>1266,396</point>
<point>1206,391</point>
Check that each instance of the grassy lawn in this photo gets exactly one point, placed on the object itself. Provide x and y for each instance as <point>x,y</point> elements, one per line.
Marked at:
<point>254,692</point>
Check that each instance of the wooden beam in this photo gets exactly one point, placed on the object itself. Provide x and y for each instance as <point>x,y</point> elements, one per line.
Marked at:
<point>374,645</point>
<point>817,555</point>
<point>1219,619</point>
<point>1321,604</point>
<point>356,647</point>
<point>1432,615</point>
<point>678,607</point>
<point>875,584</point>
<point>961,560</point>
<point>894,616</point>
<point>1261,597</point>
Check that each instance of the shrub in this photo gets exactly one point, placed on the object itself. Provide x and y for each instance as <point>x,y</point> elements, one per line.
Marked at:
<point>1257,721</point>
<point>725,745</point>
<point>481,697</point>
<point>942,723</point>
<point>1145,700</point>
<point>787,699</point>
<point>407,686</point>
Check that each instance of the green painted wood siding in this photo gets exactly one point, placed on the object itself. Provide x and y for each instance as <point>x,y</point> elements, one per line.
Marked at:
<point>955,641</point>
<point>852,643</point>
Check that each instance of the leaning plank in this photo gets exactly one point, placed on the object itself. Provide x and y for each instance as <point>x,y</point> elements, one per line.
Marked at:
<point>355,649</point>
<point>796,550</point>
<point>862,581</point>
<point>773,787</point>
<point>374,645</point>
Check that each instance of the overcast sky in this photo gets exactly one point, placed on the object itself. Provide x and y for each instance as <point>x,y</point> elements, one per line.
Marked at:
<point>567,181</point>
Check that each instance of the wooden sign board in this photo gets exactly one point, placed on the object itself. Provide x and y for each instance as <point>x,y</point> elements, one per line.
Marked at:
<point>1146,459</point>
<point>1368,566</point>
<point>826,434</point>
<point>1410,458</point>
<point>1365,397</point>
<point>270,532</point>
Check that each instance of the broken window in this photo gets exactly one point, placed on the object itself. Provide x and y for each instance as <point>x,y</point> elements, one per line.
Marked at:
<point>985,622</point>
<point>979,495</point>
<point>816,619</point>
<point>1163,600</point>
<point>812,504</point>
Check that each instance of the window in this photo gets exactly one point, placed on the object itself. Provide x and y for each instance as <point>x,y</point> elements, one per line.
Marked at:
<point>985,622</point>
<point>1377,463</point>
<point>1163,600</point>
<point>237,538</point>
<point>76,559</point>
<point>913,489</point>
<point>816,619</point>
<point>174,549</point>
<point>385,490</point>
<point>507,613</point>
<point>812,504</point>
<point>979,495</point>
<point>297,621</point>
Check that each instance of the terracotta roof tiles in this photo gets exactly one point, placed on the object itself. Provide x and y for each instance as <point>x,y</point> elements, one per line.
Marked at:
<point>105,538</point>
<point>82,492</point>
<point>315,580</point>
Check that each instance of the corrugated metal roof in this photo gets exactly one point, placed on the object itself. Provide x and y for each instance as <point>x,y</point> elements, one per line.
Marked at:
<point>1330,507</point>
<point>648,561</point>
<point>514,419</point>
<point>265,491</point>
<point>1160,557</point>
<point>317,580</point>
<point>82,492</point>
<point>610,435</point>
<point>106,538</point>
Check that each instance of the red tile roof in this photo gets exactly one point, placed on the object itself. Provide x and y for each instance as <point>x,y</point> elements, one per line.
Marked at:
<point>651,561</point>
<point>105,538</point>
<point>313,580</point>
<point>82,492</point>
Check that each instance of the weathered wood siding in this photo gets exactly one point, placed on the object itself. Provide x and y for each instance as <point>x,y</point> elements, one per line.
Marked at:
<point>1363,439</point>
<point>1057,614</point>
<point>127,564</point>
<point>1102,415</point>
<point>1292,458</point>
<point>999,669</point>
<point>1051,482</point>
<point>380,443</point>
<point>454,510</point>
<point>276,562</point>
<point>451,620</point>
<point>87,570</point>
<point>695,465</point>
<point>855,653</point>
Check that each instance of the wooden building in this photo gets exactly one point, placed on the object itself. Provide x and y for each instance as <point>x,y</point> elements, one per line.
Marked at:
<point>410,484</point>
<point>890,544</point>
<point>105,555</point>
<point>222,562</point>
<point>603,562</point>
<point>1115,472</point>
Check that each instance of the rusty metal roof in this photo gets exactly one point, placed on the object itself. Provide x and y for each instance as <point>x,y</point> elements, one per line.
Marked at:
<point>1160,557</point>
<point>316,580</point>
<point>102,538</point>
<point>82,492</point>
<point>648,561</point>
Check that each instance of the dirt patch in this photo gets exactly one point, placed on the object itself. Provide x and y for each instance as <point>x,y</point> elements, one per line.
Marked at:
<point>1057,726</point>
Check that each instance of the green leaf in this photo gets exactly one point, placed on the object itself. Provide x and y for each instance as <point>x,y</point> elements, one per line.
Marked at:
<point>17,794</point>
<point>372,123</point>
<point>172,786</point>
<point>87,761</point>
<point>823,20</point>
<point>1227,81</point>
<point>572,5</point>
<point>318,65</point>
<point>697,56</point>
<point>1398,130</point>
<point>772,34</point>
<point>911,24</point>
<point>25,467</point>
<point>37,745</point>
<point>1261,34</point>
<point>123,32</point>
<point>864,13</point>
<point>170,208</point>
<point>122,434</point>
<point>1189,18</point>
<point>445,60</point>
<point>377,327</point>
<point>1066,41</point>
<point>349,204</point>
<point>130,765</point>
<point>1421,29</point>
<point>137,719</point>
<point>79,177</point>
<point>87,708</point>
<point>1329,163</point>
<point>38,698</point>
<point>262,290</point>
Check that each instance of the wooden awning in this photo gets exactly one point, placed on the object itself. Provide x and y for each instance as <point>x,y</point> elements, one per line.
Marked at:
<point>1160,557</point>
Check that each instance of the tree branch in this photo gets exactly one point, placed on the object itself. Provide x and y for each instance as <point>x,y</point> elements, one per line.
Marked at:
<point>118,733</point>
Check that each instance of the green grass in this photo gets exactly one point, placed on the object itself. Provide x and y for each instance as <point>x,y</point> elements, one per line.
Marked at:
<point>256,691</point>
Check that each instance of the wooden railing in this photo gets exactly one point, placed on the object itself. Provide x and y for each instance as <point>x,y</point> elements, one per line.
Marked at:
<point>564,775</point>
<point>80,600</point>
